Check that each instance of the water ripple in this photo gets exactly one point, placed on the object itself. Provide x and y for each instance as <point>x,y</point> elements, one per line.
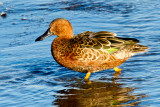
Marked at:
<point>29,76</point>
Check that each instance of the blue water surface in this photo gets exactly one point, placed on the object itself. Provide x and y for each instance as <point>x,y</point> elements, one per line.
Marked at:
<point>30,77</point>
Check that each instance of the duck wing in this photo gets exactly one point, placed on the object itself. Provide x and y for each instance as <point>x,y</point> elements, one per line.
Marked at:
<point>103,40</point>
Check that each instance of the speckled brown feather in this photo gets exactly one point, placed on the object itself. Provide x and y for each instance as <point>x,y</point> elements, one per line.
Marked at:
<point>84,52</point>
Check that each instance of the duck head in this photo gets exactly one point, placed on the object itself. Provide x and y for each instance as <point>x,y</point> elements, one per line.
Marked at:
<point>60,27</point>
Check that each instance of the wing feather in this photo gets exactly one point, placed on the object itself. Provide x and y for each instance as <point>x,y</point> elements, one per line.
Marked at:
<point>103,40</point>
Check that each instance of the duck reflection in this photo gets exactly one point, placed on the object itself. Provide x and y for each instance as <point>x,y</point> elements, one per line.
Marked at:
<point>97,94</point>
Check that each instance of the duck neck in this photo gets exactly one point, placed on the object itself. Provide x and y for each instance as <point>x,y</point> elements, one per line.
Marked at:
<point>65,36</point>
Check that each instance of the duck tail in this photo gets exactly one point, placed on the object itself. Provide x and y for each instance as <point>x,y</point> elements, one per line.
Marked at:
<point>137,48</point>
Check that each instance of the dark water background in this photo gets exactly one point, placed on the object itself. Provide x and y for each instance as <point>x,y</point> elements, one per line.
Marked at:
<point>30,77</point>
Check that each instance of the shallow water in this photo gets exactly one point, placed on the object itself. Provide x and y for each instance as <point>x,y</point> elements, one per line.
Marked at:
<point>29,76</point>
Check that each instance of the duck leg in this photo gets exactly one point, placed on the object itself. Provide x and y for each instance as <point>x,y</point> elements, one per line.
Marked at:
<point>87,76</point>
<point>117,71</point>
<point>86,79</point>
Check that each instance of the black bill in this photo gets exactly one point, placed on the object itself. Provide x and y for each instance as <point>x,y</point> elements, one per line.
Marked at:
<point>45,35</point>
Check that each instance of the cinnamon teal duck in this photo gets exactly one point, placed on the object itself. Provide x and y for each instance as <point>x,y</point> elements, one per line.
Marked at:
<point>89,52</point>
